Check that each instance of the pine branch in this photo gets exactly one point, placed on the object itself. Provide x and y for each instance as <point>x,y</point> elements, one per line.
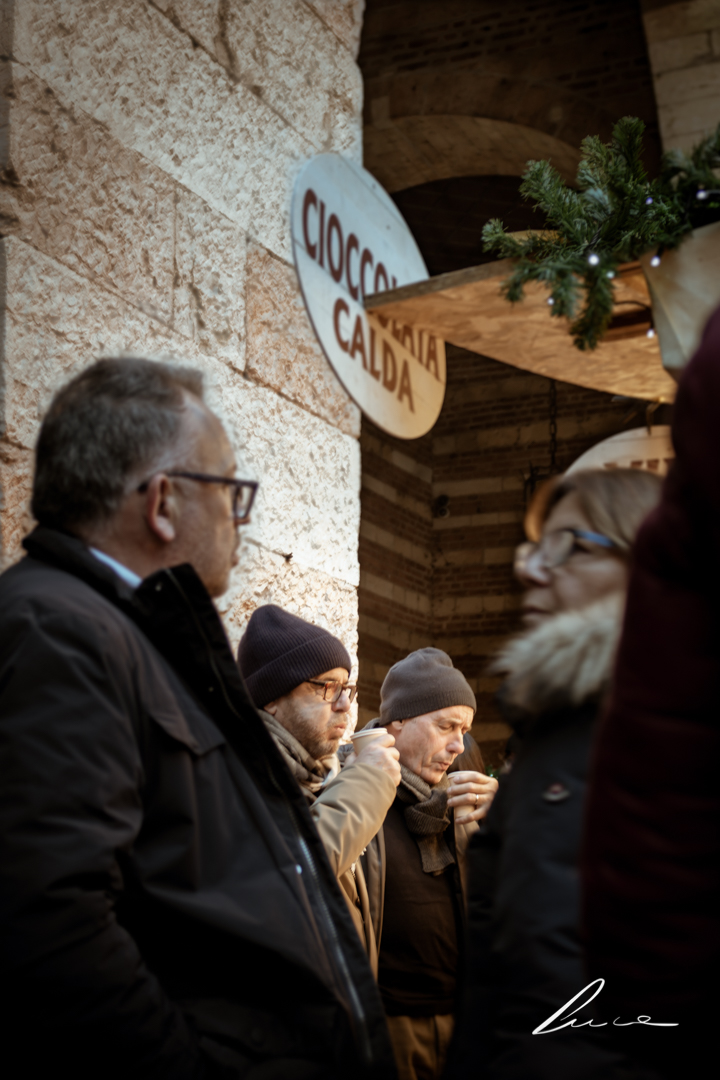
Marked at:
<point>613,215</point>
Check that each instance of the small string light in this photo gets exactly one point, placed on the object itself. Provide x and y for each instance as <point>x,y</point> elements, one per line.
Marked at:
<point>648,201</point>
<point>550,301</point>
<point>655,261</point>
<point>701,194</point>
<point>593,259</point>
<point>611,273</point>
<point>651,332</point>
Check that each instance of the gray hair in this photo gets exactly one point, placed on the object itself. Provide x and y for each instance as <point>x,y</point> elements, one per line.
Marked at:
<point>102,429</point>
<point>615,502</point>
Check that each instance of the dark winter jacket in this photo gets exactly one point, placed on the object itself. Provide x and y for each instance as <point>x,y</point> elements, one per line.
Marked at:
<point>166,906</point>
<point>525,958</point>
<point>652,849</point>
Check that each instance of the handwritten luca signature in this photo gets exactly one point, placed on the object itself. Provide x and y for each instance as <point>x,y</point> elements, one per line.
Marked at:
<point>564,1018</point>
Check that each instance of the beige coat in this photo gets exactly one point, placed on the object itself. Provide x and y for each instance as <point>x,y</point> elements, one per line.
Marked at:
<point>348,812</point>
<point>348,804</point>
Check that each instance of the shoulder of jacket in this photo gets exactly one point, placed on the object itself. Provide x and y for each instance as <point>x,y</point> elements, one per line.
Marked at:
<point>60,608</point>
<point>364,778</point>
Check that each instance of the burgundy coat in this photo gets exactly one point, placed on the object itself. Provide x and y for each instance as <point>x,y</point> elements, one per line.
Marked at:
<point>651,863</point>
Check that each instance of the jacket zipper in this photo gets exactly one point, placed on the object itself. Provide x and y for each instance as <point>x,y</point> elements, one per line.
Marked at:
<point>354,998</point>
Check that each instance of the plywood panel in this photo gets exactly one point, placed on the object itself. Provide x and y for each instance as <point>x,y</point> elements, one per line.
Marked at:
<point>468,309</point>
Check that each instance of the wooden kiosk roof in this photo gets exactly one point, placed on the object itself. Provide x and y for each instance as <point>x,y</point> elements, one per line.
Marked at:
<point>467,309</point>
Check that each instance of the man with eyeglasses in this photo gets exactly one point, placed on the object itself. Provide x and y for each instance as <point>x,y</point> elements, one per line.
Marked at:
<point>297,673</point>
<point>166,906</point>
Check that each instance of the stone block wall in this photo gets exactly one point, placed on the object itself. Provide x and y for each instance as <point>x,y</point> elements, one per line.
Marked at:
<point>684,49</point>
<point>148,155</point>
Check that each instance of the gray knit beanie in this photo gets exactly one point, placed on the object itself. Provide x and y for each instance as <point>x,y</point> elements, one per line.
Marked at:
<point>423,682</point>
<point>278,651</point>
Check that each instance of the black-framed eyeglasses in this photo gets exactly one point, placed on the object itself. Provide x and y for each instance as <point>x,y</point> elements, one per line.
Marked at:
<point>243,495</point>
<point>333,689</point>
<point>555,548</point>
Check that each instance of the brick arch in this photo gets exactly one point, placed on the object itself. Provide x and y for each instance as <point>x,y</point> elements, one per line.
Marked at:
<point>568,70</point>
<point>411,150</point>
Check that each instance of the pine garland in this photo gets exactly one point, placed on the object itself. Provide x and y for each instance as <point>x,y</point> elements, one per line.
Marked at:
<point>612,216</point>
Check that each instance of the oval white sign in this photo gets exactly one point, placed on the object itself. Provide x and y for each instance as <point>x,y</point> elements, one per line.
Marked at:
<point>349,241</point>
<point>635,449</point>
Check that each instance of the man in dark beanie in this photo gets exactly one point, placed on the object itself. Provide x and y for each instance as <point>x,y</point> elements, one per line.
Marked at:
<point>428,706</point>
<point>297,674</point>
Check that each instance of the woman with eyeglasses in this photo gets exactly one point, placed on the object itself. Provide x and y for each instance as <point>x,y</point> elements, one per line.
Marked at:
<point>525,959</point>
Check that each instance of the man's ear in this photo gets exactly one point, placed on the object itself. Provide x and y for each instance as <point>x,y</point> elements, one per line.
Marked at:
<point>271,707</point>
<point>161,509</point>
<point>397,724</point>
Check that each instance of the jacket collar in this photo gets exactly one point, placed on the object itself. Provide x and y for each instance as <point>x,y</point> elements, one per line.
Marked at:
<point>66,552</point>
<point>563,663</point>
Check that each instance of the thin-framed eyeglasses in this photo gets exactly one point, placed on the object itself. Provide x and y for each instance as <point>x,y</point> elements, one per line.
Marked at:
<point>556,547</point>
<point>243,491</point>
<point>333,689</point>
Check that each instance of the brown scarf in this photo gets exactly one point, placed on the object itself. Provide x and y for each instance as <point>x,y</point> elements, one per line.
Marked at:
<point>427,817</point>
<point>310,774</point>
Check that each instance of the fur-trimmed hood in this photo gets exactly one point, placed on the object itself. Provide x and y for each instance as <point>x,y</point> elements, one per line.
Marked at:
<point>563,663</point>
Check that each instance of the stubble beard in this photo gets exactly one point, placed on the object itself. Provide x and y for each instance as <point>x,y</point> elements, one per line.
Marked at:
<point>317,744</point>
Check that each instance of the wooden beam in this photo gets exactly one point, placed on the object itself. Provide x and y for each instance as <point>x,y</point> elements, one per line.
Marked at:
<point>467,309</point>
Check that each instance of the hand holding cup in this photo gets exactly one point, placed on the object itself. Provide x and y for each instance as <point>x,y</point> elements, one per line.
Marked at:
<point>376,746</point>
<point>470,795</point>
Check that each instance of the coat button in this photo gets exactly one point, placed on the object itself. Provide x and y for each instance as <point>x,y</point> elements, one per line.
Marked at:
<point>556,793</point>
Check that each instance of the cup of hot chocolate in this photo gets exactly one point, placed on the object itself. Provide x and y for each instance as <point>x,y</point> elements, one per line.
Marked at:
<point>365,735</point>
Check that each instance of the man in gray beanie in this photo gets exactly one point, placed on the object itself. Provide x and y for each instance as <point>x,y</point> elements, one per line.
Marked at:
<point>428,706</point>
<point>297,674</point>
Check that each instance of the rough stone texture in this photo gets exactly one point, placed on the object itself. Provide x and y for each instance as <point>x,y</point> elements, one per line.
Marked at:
<point>16,464</point>
<point>145,141</point>
<point>131,68</point>
<point>667,22</point>
<point>75,193</point>
<point>209,300</point>
<point>56,324</point>
<point>682,52</point>
<point>309,472</point>
<point>684,49</point>
<point>344,17</point>
<point>78,195</point>
<point>282,350</point>
<point>308,502</point>
<point>265,577</point>
<point>283,53</point>
<point>200,19</point>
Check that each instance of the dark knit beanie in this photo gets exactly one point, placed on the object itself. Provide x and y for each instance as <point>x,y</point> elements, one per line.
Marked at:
<point>423,682</point>
<point>278,651</point>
